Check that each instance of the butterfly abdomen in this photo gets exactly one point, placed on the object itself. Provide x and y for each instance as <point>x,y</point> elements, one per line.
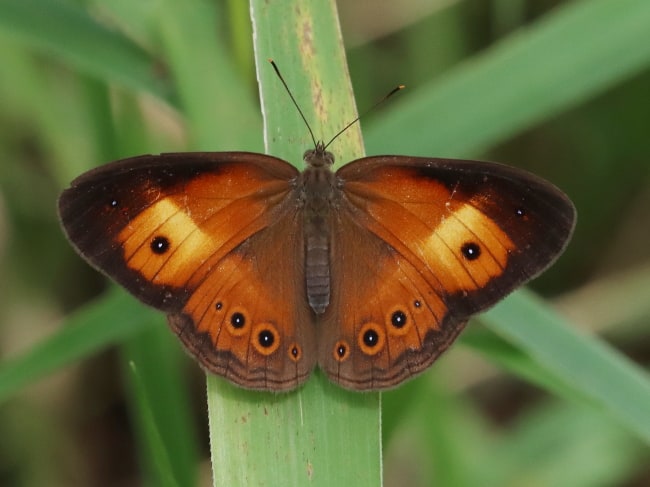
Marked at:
<point>319,193</point>
<point>317,266</point>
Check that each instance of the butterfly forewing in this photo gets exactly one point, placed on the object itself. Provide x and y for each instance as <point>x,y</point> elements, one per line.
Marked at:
<point>476,230</point>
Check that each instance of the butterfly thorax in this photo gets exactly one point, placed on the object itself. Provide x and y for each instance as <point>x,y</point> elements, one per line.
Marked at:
<point>318,194</point>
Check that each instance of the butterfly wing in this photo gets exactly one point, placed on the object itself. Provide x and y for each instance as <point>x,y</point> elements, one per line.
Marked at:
<point>419,246</point>
<point>202,237</point>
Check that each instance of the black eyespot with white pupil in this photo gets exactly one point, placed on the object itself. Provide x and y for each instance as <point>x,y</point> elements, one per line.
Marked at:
<point>471,250</point>
<point>159,245</point>
<point>370,338</point>
<point>237,320</point>
<point>266,338</point>
<point>398,319</point>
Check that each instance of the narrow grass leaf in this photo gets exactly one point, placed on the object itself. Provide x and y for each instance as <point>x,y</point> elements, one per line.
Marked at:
<point>607,378</point>
<point>107,321</point>
<point>219,106</point>
<point>163,472</point>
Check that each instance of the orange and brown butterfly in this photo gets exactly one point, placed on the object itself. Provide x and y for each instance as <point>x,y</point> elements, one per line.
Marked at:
<point>265,272</point>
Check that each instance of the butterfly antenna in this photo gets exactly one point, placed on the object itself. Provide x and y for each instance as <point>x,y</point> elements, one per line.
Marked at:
<point>286,87</point>
<point>386,97</point>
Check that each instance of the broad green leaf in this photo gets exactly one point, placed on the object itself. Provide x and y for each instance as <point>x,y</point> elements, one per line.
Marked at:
<point>583,362</point>
<point>573,53</point>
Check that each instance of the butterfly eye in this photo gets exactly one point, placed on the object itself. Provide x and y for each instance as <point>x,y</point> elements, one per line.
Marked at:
<point>341,351</point>
<point>371,339</point>
<point>266,338</point>
<point>398,321</point>
<point>237,320</point>
<point>160,245</point>
<point>238,323</point>
<point>471,250</point>
<point>521,213</point>
<point>265,341</point>
<point>295,352</point>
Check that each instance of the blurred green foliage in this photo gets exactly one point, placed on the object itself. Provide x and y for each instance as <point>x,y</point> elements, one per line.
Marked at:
<point>557,87</point>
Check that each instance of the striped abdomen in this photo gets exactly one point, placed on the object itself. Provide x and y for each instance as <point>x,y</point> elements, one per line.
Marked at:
<point>317,265</point>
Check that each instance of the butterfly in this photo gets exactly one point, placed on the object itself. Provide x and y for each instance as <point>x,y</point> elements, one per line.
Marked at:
<point>266,272</point>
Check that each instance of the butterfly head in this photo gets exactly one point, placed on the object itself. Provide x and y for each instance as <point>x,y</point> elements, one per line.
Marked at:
<point>318,156</point>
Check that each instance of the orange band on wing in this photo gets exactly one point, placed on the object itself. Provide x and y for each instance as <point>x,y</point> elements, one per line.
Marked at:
<point>187,243</point>
<point>471,247</point>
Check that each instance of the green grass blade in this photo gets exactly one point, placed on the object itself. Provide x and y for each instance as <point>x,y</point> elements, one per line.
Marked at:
<point>219,106</point>
<point>108,321</point>
<point>74,36</point>
<point>583,362</point>
<point>573,53</point>
<point>158,397</point>
<point>563,445</point>
<point>516,361</point>
<point>450,430</point>
<point>320,434</point>
<point>159,456</point>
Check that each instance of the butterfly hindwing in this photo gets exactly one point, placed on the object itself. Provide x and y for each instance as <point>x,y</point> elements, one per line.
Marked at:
<point>245,321</point>
<point>385,323</point>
